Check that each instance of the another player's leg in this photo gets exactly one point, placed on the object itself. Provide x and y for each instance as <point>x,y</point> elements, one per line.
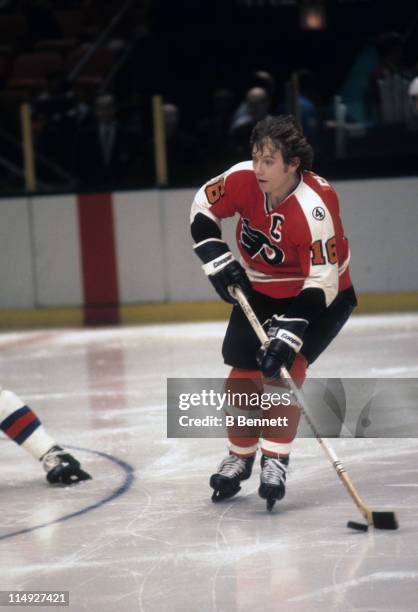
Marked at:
<point>243,442</point>
<point>21,424</point>
<point>277,441</point>
<point>62,468</point>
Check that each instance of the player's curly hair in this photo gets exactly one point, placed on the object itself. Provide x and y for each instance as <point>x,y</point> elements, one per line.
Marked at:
<point>286,136</point>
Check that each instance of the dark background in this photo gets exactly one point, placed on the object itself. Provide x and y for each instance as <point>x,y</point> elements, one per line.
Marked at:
<point>198,46</point>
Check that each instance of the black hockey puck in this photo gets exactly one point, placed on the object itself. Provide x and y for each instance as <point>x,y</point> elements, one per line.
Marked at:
<point>357,526</point>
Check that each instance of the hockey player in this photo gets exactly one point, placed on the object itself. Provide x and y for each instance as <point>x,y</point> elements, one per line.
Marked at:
<point>294,270</point>
<point>20,423</point>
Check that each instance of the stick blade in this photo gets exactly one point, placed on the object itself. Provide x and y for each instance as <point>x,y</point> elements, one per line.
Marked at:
<point>385,520</point>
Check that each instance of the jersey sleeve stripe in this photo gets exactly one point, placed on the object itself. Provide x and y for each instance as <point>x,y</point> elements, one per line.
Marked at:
<point>318,217</point>
<point>344,265</point>
<point>199,244</point>
<point>200,205</point>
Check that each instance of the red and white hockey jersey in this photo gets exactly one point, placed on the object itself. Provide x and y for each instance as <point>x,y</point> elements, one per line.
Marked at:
<point>298,245</point>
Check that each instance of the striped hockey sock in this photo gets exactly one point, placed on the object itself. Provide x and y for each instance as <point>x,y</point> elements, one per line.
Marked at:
<point>21,424</point>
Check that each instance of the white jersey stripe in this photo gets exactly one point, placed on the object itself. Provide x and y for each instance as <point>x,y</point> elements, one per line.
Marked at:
<point>276,447</point>
<point>322,276</point>
<point>243,450</point>
<point>199,207</point>
<point>344,265</point>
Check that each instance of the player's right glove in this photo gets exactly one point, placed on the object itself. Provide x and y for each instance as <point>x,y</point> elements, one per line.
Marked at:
<point>285,341</point>
<point>225,271</point>
<point>222,269</point>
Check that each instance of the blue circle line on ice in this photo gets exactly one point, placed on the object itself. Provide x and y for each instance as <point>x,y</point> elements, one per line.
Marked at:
<point>121,490</point>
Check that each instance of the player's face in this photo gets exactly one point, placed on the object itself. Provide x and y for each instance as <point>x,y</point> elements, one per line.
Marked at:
<point>272,173</point>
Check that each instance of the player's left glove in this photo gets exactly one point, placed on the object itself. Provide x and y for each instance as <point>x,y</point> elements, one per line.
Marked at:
<point>285,341</point>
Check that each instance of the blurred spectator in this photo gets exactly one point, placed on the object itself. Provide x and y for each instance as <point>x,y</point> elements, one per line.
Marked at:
<point>86,99</point>
<point>390,48</point>
<point>184,155</point>
<point>56,118</point>
<point>413,104</point>
<point>59,99</point>
<point>258,78</point>
<point>258,104</point>
<point>132,113</point>
<point>105,152</point>
<point>213,130</point>
<point>309,103</point>
<point>413,94</point>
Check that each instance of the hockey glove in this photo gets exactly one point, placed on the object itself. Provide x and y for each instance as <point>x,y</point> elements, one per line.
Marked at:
<point>222,268</point>
<point>224,272</point>
<point>285,341</point>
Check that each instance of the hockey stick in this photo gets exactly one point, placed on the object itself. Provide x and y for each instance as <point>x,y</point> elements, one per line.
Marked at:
<point>380,520</point>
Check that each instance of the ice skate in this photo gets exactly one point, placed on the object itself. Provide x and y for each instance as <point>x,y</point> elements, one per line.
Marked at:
<point>272,479</point>
<point>62,468</point>
<point>226,481</point>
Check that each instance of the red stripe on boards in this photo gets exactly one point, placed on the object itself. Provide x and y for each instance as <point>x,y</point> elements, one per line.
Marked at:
<point>98,257</point>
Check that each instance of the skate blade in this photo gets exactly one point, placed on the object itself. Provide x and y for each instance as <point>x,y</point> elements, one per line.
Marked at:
<point>270,504</point>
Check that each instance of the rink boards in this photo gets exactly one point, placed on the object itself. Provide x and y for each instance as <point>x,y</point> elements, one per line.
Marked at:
<point>105,257</point>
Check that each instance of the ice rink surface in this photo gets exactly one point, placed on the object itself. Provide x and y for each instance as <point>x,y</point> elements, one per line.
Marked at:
<point>144,535</point>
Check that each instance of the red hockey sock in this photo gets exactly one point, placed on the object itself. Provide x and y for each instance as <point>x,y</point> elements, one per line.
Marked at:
<point>277,438</point>
<point>243,440</point>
